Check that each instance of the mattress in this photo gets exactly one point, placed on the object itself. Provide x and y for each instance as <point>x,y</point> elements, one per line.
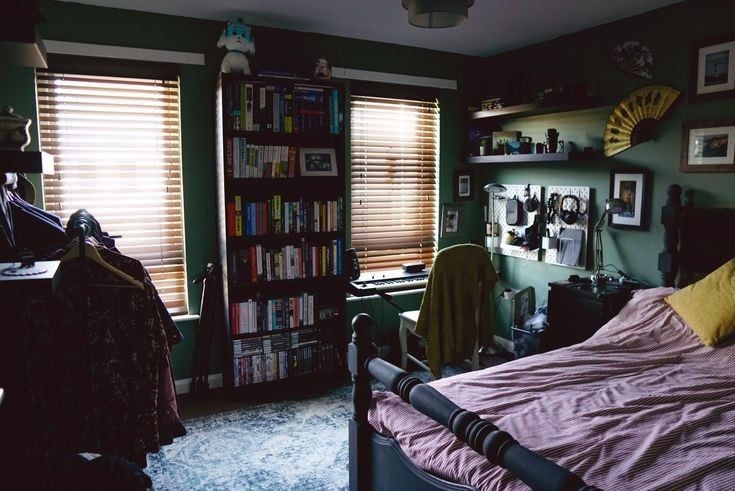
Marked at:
<point>642,405</point>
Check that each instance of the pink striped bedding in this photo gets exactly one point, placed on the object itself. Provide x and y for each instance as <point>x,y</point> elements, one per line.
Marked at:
<point>641,405</point>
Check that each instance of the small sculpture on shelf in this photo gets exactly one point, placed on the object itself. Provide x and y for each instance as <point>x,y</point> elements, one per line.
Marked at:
<point>322,70</point>
<point>238,40</point>
<point>14,134</point>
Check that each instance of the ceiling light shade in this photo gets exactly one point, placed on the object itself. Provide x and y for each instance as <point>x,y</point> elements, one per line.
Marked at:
<point>437,13</point>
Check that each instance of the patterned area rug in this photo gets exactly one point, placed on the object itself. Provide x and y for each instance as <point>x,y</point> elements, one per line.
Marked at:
<point>299,445</point>
<point>287,445</point>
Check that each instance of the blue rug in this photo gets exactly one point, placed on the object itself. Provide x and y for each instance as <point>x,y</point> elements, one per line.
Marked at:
<point>299,445</point>
<point>287,445</point>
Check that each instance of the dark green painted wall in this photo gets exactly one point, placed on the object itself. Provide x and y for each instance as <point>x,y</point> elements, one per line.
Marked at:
<point>96,25</point>
<point>579,57</point>
<point>584,57</point>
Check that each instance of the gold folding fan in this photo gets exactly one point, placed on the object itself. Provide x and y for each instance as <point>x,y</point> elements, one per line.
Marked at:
<point>633,121</point>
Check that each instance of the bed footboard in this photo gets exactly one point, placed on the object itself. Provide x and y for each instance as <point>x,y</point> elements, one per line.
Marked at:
<point>369,463</point>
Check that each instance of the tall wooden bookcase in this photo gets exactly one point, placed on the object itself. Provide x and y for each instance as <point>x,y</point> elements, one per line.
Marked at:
<point>281,195</point>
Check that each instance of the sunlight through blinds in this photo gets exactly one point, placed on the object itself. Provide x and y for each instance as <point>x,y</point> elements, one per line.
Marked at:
<point>395,159</point>
<point>116,144</point>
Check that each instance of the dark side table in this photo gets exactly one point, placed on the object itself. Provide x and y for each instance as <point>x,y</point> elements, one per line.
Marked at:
<point>579,308</point>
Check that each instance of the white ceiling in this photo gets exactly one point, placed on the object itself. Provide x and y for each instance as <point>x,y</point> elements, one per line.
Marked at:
<point>494,26</point>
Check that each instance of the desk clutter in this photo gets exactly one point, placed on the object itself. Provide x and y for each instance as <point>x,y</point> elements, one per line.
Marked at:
<point>531,222</point>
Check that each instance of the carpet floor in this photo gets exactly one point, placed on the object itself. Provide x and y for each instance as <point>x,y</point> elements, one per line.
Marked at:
<point>286,445</point>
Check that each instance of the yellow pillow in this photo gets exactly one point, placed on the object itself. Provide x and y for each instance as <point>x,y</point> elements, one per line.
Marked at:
<point>708,306</point>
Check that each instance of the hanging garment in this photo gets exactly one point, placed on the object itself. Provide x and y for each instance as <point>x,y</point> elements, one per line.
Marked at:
<point>447,316</point>
<point>7,241</point>
<point>36,232</point>
<point>95,354</point>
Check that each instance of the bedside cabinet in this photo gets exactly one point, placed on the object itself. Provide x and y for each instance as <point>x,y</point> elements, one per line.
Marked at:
<point>578,308</point>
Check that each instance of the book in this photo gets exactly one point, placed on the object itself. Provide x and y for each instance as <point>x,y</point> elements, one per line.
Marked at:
<point>249,100</point>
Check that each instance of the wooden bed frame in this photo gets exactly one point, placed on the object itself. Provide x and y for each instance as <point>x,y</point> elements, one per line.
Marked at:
<point>696,241</point>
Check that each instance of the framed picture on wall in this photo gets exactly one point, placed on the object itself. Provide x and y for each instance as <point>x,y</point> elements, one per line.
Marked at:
<point>708,146</point>
<point>318,162</point>
<point>631,187</point>
<point>449,225</point>
<point>463,185</point>
<point>713,69</point>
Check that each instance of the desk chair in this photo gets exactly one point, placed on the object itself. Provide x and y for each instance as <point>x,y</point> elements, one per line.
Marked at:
<point>454,317</point>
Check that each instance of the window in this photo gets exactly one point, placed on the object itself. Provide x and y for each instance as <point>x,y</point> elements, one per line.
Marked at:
<point>116,144</point>
<point>395,155</point>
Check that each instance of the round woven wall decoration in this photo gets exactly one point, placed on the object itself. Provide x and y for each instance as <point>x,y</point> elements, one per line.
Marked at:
<point>634,119</point>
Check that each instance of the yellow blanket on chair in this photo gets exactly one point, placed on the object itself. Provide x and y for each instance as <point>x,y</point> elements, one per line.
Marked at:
<point>453,293</point>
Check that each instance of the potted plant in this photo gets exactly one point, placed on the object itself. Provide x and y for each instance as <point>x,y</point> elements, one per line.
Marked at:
<point>485,145</point>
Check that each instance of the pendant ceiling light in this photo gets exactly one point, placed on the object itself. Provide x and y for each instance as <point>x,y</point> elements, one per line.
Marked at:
<point>437,13</point>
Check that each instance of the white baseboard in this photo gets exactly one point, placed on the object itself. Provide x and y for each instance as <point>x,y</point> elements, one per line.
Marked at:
<point>183,385</point>
<point>507,344</point>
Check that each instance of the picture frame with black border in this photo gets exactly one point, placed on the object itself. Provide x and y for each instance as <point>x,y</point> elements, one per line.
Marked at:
<point>464,185</point>
<point>318,162</point>
<point>708,146</point>
<point>450,221</point>
<point>712,69</point>
<point>632,187</point>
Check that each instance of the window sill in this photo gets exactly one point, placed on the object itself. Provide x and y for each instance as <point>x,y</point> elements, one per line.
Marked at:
<point>185,317</point>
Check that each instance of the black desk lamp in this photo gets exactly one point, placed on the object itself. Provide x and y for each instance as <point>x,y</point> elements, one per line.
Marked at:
<point>612,207</point>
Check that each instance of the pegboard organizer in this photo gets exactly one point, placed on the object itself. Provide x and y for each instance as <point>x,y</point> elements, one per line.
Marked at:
<point>555,224</point>
<point>500,239</point>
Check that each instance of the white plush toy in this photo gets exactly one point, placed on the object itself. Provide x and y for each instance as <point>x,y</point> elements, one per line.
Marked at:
<point>238,40</point>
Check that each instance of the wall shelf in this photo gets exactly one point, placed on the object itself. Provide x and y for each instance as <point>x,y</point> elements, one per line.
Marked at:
<point>26,162</point>
<point>532,157</point>
<point>532,109</point>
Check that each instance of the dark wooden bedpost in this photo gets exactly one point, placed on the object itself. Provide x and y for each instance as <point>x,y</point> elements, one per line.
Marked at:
<point>668,261</point>
<point>358,353</point>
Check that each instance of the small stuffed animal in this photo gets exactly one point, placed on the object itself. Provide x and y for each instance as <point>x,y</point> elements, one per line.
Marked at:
<point>322,70</point>
<point>238,40</point>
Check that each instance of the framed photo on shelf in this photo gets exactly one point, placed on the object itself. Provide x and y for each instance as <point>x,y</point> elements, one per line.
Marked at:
<point>449,221</point>
<point>318,162</point>
<point>631,187</point>
<point>463,185</point>
<point>708,146</point>
<point>713,69</point>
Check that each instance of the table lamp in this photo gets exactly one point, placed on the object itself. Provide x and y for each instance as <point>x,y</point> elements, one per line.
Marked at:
<point>493,189</point>
<point>612,207</point>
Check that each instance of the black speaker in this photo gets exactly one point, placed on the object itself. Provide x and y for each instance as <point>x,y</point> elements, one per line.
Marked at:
<point>352,265</point>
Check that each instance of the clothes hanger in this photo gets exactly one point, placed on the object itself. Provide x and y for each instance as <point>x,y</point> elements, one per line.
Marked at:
<point>91,253</point>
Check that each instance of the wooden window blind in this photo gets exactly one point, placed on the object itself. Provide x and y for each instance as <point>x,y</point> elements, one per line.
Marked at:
<point>116,143</point>
<point>395,156</point>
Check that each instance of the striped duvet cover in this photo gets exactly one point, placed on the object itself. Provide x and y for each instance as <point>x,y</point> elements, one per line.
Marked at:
<point>641,405</point>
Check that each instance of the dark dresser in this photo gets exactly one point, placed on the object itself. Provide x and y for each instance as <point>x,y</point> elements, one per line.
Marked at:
<point>579,308</point>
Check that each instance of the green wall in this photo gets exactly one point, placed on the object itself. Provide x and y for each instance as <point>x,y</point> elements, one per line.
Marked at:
<point>584,57</point>
<point>98,25</point>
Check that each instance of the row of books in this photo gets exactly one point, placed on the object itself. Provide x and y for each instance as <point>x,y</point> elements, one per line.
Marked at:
<point>259,263</point>
<point>276,216</point>
<point>246,160</point>
<point>278,356</point>
<point>265,107</point>
<point>256,315</point>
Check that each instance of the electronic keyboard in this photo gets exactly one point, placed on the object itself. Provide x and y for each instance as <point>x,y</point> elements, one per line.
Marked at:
<point>387,282</point>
